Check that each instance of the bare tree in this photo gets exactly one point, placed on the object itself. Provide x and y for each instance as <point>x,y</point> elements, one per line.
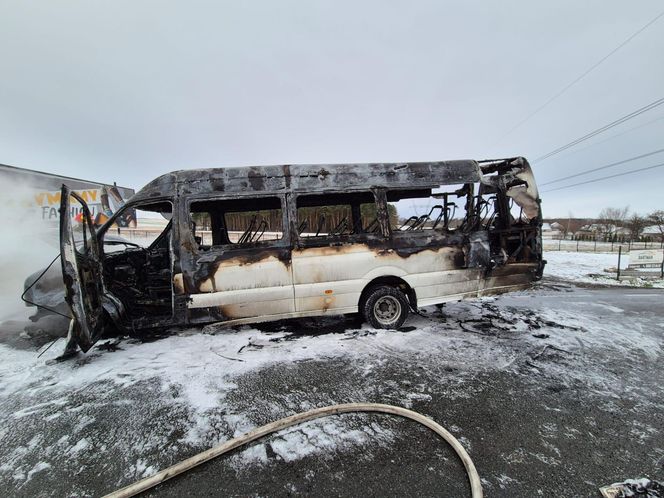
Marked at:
<point>636,224</point>
<point>610,219</point>
<point>568,226</point>
<point>574,225</point>
<point>656,218</point>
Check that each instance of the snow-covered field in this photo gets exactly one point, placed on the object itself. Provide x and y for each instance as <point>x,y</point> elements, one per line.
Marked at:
<point>591,268</point>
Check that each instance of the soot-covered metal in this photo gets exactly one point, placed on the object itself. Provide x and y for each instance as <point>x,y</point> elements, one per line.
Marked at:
<point>317,237</point>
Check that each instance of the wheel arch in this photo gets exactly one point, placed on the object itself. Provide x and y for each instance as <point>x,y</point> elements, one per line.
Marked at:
<point>392,281</point>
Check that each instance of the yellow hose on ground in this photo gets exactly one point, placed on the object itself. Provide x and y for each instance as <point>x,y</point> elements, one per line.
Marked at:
<point>190,463</point>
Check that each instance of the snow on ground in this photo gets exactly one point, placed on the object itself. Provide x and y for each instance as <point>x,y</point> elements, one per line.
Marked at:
<point>193,373</point>
<point>591,268</point>
<point>159,400</point>
<point>131,411</point>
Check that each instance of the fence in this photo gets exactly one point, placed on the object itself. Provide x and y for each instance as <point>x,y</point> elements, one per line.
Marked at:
<point>597,246</point>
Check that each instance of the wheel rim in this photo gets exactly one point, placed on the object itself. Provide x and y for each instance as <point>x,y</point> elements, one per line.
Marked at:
<point>387,310</point>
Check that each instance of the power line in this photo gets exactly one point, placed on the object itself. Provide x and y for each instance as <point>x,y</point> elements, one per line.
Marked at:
<point>616,135</point>
<point>617,122</point>
<point>583,75</point>
<point>606,166</point>
<point>606,177</point>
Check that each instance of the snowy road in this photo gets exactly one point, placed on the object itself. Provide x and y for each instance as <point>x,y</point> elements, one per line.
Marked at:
<point>557,390</point>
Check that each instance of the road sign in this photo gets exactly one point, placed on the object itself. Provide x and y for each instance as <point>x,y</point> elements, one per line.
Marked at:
<point>646,257</point>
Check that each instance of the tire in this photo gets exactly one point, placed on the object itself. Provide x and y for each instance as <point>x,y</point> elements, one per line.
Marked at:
<point>385,307</point>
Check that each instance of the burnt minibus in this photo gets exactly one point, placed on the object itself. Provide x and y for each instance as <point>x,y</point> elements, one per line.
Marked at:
<point>243,245</point>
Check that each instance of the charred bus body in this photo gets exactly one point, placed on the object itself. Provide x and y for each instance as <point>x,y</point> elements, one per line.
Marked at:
<point>255,244</point>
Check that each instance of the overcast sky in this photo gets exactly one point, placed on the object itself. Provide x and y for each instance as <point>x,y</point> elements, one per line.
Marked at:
<point>127,90</point>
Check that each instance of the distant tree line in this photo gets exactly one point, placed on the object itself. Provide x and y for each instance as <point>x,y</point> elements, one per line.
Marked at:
<point>311,219</point>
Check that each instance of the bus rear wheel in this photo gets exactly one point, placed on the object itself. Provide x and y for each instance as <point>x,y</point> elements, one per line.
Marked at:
<point>385,307</point>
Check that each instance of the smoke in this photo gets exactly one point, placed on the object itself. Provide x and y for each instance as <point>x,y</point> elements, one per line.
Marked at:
<point>27,244</point>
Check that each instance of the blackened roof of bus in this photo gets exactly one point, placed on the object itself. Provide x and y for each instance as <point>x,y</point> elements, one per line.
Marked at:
<point>311,178</point>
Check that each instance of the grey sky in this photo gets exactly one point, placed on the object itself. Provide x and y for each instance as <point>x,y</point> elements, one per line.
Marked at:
<point>126,90</point>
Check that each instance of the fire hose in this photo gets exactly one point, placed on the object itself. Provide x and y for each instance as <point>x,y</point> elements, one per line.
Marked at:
<point>284,423</point>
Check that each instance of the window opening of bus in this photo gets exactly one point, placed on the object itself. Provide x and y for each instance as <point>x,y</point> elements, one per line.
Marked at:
<point>337,215</point>
<point>443,209</point>
<point>236,222</point>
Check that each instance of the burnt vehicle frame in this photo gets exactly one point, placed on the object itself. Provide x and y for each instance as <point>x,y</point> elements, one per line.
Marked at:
<point>377,267</point>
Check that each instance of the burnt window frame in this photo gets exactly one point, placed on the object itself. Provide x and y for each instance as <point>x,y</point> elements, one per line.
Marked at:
<point>431,233</point>
<point>326,240</point>
<point>185,225</point>
<point>103,230</point>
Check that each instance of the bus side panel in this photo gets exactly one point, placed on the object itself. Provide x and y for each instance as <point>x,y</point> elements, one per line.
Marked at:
<point>440,286</point>
<point>510,277</point>
<point>239,289</point>
<point>330,278</point>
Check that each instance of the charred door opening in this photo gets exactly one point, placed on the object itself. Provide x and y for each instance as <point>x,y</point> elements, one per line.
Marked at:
<point>508,207</point>
<point>138,264</point>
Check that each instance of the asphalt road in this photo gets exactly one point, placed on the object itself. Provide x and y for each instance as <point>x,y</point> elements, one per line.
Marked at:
<point>532,433</point>
<point>554,392</point>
